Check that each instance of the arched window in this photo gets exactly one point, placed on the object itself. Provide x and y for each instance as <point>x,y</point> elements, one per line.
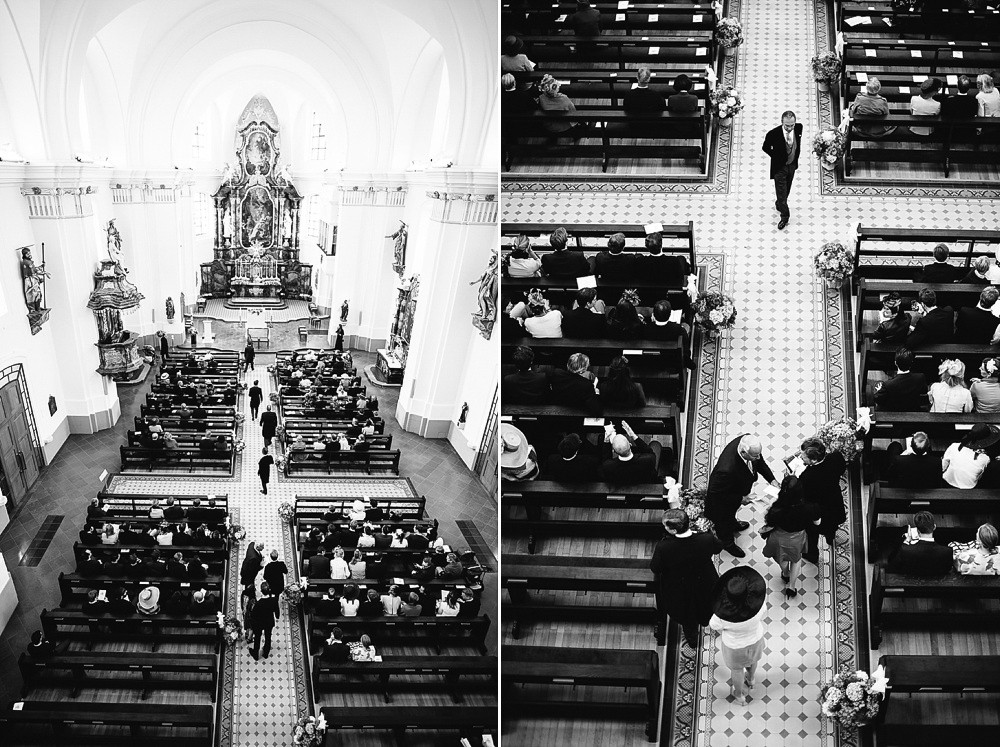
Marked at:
<point>201,213</point>
<point>317,141</point>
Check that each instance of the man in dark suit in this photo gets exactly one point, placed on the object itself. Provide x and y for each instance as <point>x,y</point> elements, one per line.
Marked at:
<point>95,605</point>
<point>202,603</point>
<point>572,386</point>
<point>173,511</point>
<point>977,325</point>
<point>615,264</point>
<point>262,618</point>
<point>268,425</point>
<point>584,321</point>
<point>664,330</point>
<point>562,263</point>
<point>685,574</point>
<point>935,326</point>
<point>917,467</point>
<point>569,465</point>
<point>256,395</point>
<point>904,392</point>
<point>783,144</point>
<point>960,105</point>
<point>274,573</point>
<point>318,566</point>
<point>921,556</point>
<point>738,467</point>
<point>196,513</point>
<point>682,100</point>
<point>119,604</point>
<point>89,566</point>
<point>586,21</point>
<point>264,467</point>
<point>383,539</point>
<point>642,99</point>
<point>335,650</point>
<point>632,460</point>
<point>940,271</point>
<point>516,100</point>
<point>176,567</point>
<point>417,539</point>
<point>96,511</point>
<point>525,386</point>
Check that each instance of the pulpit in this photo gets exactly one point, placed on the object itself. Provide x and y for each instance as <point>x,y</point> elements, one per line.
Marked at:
<point>112,294</point>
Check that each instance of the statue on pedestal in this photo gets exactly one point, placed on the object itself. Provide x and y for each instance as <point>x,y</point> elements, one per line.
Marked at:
<point>399,249</point>
<point>344,308</point>
<point>170,308</point>
<point>486,316</point>
<point>114,241</point>
<point>33,283</point>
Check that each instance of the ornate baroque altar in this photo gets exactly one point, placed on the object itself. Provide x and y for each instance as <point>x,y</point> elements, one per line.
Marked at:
<point>257,213</point>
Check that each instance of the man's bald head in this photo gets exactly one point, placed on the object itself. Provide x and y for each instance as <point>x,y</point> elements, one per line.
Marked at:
<point>621,446</point>
<point>750,447</point>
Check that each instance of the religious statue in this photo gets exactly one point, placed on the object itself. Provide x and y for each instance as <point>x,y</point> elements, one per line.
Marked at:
<point>464,416</point>
<point>343,310</point>
<point>170,309</point>
<point>486,316</point>
<point>399,249</point>
<point>33,278</point>
<point>114,241</point>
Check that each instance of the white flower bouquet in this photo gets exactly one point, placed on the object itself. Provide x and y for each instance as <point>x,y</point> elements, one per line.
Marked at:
<point>834,261</point>
<point>231,627</point>
<point>829,144</point>
<point>852,699</point>
<point>729,33</point>
<point>841,435</point>
<point>714,310</point>
<point>309,731</point>
<point>726,102</point>
<point>286,511</point>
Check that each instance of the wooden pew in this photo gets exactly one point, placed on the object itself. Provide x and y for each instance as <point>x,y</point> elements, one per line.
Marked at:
<point>524,573</point>
<point>880,356</point>
<point>73,587</point>
<point>471,721</point>
<point>136,505</point>
<point>321,427</point>
<point>636,18</point>
<point>953,586</point>
<point>596,667</point>
<point>173,425</point>
<point>625,51</point>
<point>202,671</point>
<point>350,460</point>
<point>345,675</point>
<point>73,723</point>
<point>535,495</point>
<point>610,86</point>
<point>422,631</point>
<point>211,555</point>
<point>137,458</point>
<point>317,587</point>
<point>961,684</point>
<point>881,17</point>
<point>309,507</point>
<point>185,440</point>
<point>153,630</point>
<point>874,243</point>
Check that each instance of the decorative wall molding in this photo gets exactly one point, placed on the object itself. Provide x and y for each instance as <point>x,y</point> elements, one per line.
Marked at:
<point>59,202</point>
<point>376,196</point>
<point>124,194</point>
<point>465,209</point>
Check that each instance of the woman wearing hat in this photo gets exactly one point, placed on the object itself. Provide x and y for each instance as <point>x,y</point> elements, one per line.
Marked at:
<point>949,394</point>
<point>149,601</point>
<point>514,61</point>
<point>965,462</point>
<point>986,390</point>
<point>739,611</point>
<point>895,326</point>
<point>518,460</point>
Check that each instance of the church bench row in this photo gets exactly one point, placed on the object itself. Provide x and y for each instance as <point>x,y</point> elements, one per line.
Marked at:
<point>898,88</point>
<point>471,722</point>
<point>298,400</point>
<point>623,51</point>
<point>591,86</point>
<point>879,356</point>
<point>941,144</point>
<point>192,426</point>
<point>871,292</point>
<point>580,233</point>
<point>350,676</point>
<point>590,668</point>
<point>137,504</point>
<point>377,443</point>
<point>644,355</point>
<point>311,425</point>
<point>922,56</point>
<point>562,291</point>
<point>313,506</point>
<point>308,413</point>
<point>884,501</point>
<point>608,135</point>
<point>185,440</point>
<point>436,632</point>
<point>952,681</point>
<point>525,573</point>
<point>171,409</point>
<point>387,459</point>
<point>875,243</point>
<point>151,630</point>
<point>317,587</point>
<point>214,556</point>
<point>657,383</point>
<point>650,18</point>
<point>70,669</point>
<point>655,420</point>
<point>218,379</point>
<point>136,458</point>
<point>945,589</point>
<point>159,724</point>
<point>380,562</point>
<point>866,17</point>
<point>73,587</point>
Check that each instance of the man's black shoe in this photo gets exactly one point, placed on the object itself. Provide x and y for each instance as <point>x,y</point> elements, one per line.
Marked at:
<point>742,526</point>
<point>782,223</point>
<point>735,550</point>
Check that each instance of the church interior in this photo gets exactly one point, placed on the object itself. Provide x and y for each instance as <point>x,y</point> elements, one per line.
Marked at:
<point>249,390</point>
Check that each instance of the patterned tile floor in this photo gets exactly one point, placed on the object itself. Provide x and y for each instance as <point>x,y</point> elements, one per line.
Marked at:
<point>774,369</point>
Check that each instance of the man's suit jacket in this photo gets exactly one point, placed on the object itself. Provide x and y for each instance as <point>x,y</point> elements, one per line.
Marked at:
<point>914,471</point>
<point>528,388</point>
<point>774,146</point>
<point>667,333</point>
<point>643,100</point>
<point>903,393</point>
<point>921,559</point>
<point>619,266</point>
<point>581,468</point>
<point>565,264</point>
<point>265,612</point>
<point>319,566</point>
<point>731,480</point>
<point>640,468</point>
<point>686,574</point>
<point>959,105</point>
<point>268,423</point>
<point>584,323</point>
<point>975,326</point>
<point>935,327</point>
<point>573,390</point>
<point>682,102</point>
<point>173,513</point>
<point>255,394</point>
<point>941,272</point>
<point>336,652</point>
<point>274,575</point>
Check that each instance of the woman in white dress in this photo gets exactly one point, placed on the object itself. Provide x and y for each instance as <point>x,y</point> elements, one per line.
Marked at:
<point>739,612</point>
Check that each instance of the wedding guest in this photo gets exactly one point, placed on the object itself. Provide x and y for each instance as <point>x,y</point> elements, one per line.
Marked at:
<point>935,325</point>
<point>615,263</point>
<point>682,100</point>
<point>540,319</point>
<point>737,469</point>
<point>895,325</point>
<point>515,100</point>
<point>569,465</point>
<point>391,601</point>
<point>624,322</point>
<point>550,100</point>
<point>362,650</point>
<point>986,390</point>
<point>920,554</point>
<point>358,566</point>
<point>916,466</point>
<point>263,615</point>
<point>513,60</point>
<point>988,96</point>
<point>632,460</point>
<point>976,325</point>
<point>449,606</point>
<point>573,386</point>
<point>372,606</point>
<point>562,262</point>
<point>904,392</point>
<point>518,459</point>
<point>981,557</point>
<point>587,320</point>
<point>925,105</point>
<point>522,262</point>
<point>820,482</point>
<point>965,462</point>
<point>642,99</point>
<point>978,275</point>
<point>949,394</point>
<point>349,602</point>
<point>339,568</point>
<point>411,607</point>
<point>739,611</point>
<point>619,390</point>
<point>869,103</point>
<point>788,518</point>
<point>274,574</point>
<point>940,270</point>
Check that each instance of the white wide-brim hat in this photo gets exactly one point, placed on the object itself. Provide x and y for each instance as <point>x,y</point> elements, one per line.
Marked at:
<point>514,447</point>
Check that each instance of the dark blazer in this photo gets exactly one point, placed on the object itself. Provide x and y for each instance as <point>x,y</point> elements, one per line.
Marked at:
<point>686,575</point>
<point>935,327</point>
<point>518,101</point>
<point>669,269</point>
<point>973,279</point>
<point>274,575</point>
<point>896,329</point>
<point>774,146</point>
<point>615,266</point>
<point>921,559</point>
<point>959,105</point>
<point>682,102</point>
<point>940,272</point>
<point>255,394</point>
<point>903,393</point>
<point>821,487</point>
<point>582,322</point>
<point>640,468</point>
<point>914,471</point>
<point>268,423</point>
<point>731,480</point>
<point>319,566</point>
<point>337,652</point>
<point>667,333</point>
<point>573,390</point>
<point>975,326</point>
<point>581,468</point>
<point>529,388</point>
<point>264,613</point>
<point>173,513</point>
<point>565,264</point>
<point>264,465</point>
<point>642,100</point>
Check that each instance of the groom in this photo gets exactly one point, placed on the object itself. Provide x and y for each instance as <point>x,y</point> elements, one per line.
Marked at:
<point>783,144</point>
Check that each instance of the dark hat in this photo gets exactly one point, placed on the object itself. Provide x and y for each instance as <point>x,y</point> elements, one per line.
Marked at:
<point>982,436</point>
<point>739,594</point>
<point>512,45</point>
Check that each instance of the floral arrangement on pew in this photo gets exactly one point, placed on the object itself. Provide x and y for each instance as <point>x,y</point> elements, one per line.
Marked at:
<point>239,446</point>
<point>273,397</point>
<point>240,417</point>
<point>714,311</point>
<point>309,731</point>
<point>632,296</point>
<point>294,592</point>
<point>726,103</point>
<point>829,145</point>
<point>834,263</point>
<point>729,34</point>
<point>231,627</point>
<point>286,511</point>
<point>271,369</point>
<point>692,502</point>
<point>237,532</point>
<point>841,435</point>
<point>826,69</point>
<point>853,699</point>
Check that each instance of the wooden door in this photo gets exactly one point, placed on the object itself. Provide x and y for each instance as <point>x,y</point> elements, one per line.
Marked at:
<point>18,456</point>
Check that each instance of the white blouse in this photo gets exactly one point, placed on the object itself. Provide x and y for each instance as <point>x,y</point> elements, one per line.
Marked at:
<point>740,634</point>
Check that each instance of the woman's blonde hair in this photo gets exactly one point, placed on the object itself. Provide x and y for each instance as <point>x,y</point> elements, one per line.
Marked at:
<point>338,552</point>
<point>988,536</point>
<point>873,85</point>
<point>549,85</point>
<point>985,82</point>
<point>952,372</point>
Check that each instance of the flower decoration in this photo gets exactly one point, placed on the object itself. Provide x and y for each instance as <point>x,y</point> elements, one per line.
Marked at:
<point>853,699</point>
<point>693,504</point>
<point>231,627</point>
<point>829,145</point>
<point>729,33</point>
<point>240,417</point>
<point>726,102</point>
<point>293,592</point>
<point>841,435</point>
<point>239,446</point>
<point>631,295</point>
<point>834,262</point>
<point>309,731</point>
<point>826,67</point>
<point>714,310</point>
<point>286,511</point>
<point>237,532</point>
<point>273,397</point>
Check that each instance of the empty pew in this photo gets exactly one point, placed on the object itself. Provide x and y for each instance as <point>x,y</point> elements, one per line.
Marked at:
<point>437,632</point>
<point>344,675</point>
<point>77,624</point>
<point>387,459</point>
<point>470,721</point>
